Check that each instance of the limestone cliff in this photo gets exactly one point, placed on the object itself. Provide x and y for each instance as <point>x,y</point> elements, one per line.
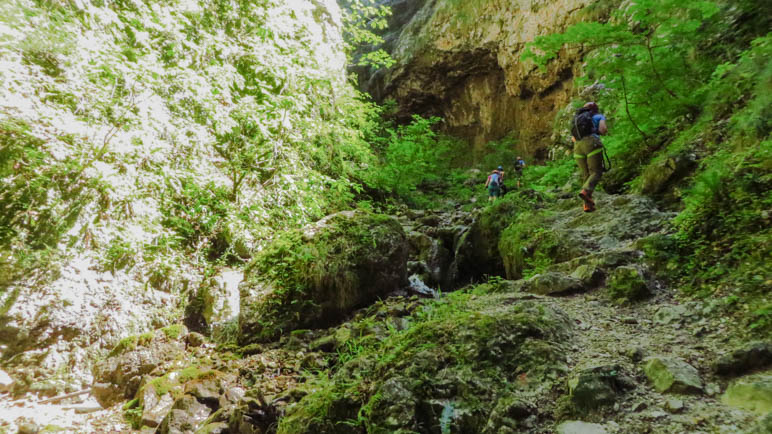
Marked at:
<point>461,60</point>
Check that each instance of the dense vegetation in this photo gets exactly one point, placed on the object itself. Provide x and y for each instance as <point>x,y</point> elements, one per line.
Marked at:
<point>687,89</point>
<point>169,140</point>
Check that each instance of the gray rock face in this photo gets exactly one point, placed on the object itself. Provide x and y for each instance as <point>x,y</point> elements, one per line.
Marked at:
<point>314,277</point>
<point>672,375</point>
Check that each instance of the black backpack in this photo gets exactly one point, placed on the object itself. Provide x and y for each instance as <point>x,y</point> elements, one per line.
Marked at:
<point>582,125</point>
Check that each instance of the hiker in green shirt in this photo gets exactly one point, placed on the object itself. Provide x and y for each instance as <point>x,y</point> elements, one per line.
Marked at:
<point>587,127</point>
<point>493,183</point>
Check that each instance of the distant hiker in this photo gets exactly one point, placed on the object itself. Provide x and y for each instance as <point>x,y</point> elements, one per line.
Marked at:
<point>519,166</point>
<point>587,126</point>
<point>494,183</point>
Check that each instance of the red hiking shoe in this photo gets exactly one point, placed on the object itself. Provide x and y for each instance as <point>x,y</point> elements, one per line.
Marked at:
<point>589,204</point>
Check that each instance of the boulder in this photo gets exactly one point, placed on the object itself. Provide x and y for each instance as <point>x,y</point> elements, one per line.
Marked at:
<point>752,393</point>
<point>119,376</point>
<point>316,276</point>
<point>579,427</point>
<point>452,382</point>
<point>187,415</point>
<point>626,284</point>
<point>755,355</point>
<point>552,283</point>
<point>155,408</point>
<point>597,386</point>
<point>672,375</point>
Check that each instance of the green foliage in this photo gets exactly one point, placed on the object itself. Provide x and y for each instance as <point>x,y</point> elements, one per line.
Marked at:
<point>644,56</point>
<point>132,413</point>
<point>362,19</point>
<point>527,247</point>
<point>449,343</point>
<point>626,285</point>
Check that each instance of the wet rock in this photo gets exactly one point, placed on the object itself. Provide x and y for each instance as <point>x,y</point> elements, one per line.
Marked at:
<point>752,393</point>
<point>187,415</point>
<point>756,355</point>
<point>339,271</point>
<point>579,427</point>
<point>5,382</point>
<point>552,283</point>
<point>597,386</point>
<point>672,375</point>
<point>214,428</point>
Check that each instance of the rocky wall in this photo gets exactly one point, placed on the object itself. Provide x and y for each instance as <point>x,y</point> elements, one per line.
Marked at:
<point>461,60</point>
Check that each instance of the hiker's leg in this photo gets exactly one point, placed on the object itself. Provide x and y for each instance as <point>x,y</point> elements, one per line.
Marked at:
<point>594,165</point>
<point>581,159</point>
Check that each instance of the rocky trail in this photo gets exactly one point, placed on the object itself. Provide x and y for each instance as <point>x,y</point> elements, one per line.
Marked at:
<point>621,352</point>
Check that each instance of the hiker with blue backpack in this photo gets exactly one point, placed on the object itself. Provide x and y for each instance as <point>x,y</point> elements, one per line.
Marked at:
<point>587,127</point>
<point>494,183</point>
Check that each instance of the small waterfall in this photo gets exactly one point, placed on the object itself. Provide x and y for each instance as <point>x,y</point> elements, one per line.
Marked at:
<point>419,287</point>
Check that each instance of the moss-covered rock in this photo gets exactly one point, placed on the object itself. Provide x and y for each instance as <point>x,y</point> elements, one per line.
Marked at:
<point>672,375</point>
<point>626,284</point>
<point>753,393</point>
<point>447,369</point>
<point>477,252</point>
<point>120,375</point>
<point>529,245</point>
<point>597,386</point>
<point>551,283</point>
<point>315,276</point>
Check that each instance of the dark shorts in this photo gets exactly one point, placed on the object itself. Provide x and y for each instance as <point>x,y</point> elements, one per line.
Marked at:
<point>519,173</point>
<point>494,190</point>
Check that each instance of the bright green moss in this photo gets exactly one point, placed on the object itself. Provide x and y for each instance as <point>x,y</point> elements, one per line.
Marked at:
<point>173,331</point>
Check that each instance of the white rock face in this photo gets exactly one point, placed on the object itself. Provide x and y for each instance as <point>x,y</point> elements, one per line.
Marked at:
<point>5,382</point>
<point>115,269</point>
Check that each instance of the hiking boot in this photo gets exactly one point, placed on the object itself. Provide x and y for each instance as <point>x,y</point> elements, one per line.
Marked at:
<point>589,204</point>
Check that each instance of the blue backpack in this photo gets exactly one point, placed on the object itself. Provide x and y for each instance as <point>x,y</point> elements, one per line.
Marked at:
<point>495,179</point>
